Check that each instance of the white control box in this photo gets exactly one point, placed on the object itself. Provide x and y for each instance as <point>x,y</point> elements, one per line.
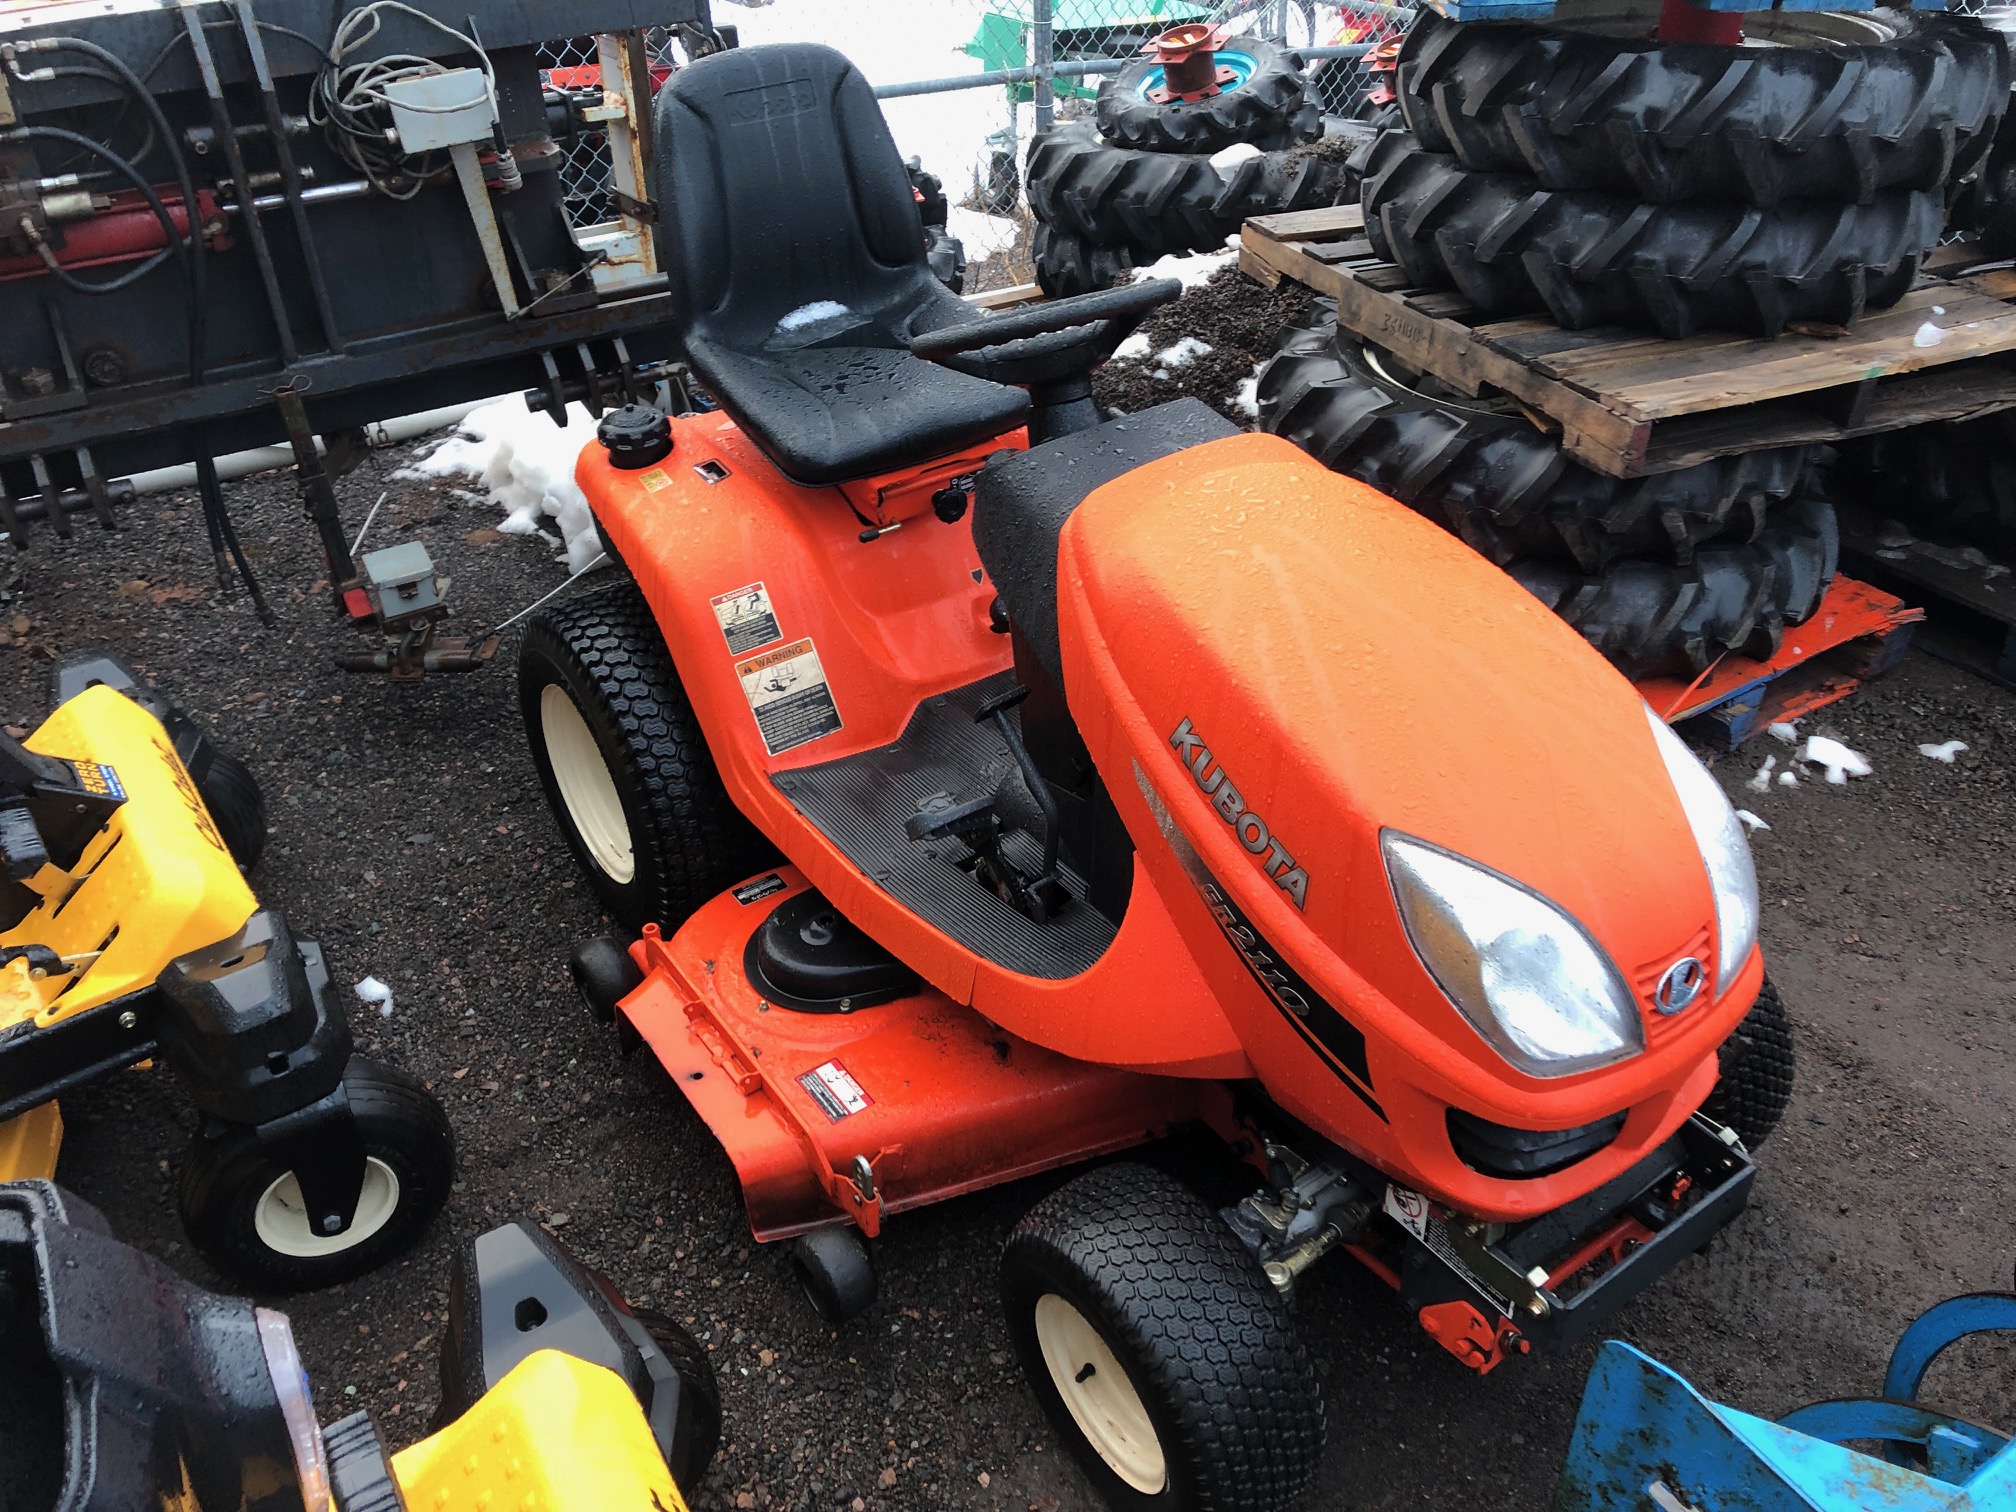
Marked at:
<point>441,110</point>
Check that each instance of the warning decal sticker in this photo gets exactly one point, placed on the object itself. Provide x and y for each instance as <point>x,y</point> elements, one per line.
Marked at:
<point>746,618</point>
<point>758,890</point>
<point>655,481</point>
<point>837,1093</point>
<point>787,692</point>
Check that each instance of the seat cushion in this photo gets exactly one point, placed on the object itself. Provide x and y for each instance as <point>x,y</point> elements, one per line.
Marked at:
<point>831,414</point>
<point>1021,501</point>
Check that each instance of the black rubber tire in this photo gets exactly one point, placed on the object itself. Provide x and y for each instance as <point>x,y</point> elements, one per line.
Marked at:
<point>603,975</point>
<point>946,256</point>
<point>1204,1339</point>
<point>1652,619</point>
<point>1272,109</point>
<point>1666,122</point>
<point>226,1172</point>
<point>688,840</point>
<point>1596,259</point>
<point>697,1382</point>
<point>1756,1071</point>
<point>1485,474</point>
<point>1155,203</point>
<point>237,807</point>
<point>835,1269</point>
<point>1954,481</point>
<point>1068,265</point>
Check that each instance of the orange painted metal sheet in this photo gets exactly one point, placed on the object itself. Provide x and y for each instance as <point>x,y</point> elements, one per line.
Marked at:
<point>935,1098</point>
<point>1850,611</point>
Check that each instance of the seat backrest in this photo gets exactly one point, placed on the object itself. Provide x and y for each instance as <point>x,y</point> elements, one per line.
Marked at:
<point>779,187</point>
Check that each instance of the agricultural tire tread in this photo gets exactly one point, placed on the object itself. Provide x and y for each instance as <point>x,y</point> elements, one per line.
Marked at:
<point>1596,259</point>
<point>1272,108</point>
<point>1068,265</point>
<point>1490,477</point>
<point>688,839</point>
<point>1204,1338</point>
<point>1157,203</point>
<point>1653,619</point>
<point>1671,122</point>
<point>1756,1076</point>
<point>1950,481</point>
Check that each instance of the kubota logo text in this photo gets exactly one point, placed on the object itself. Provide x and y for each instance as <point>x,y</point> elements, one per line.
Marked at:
<point>1252,830</point>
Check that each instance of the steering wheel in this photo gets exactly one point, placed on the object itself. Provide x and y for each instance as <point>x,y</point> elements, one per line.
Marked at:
<point>1043,343</point>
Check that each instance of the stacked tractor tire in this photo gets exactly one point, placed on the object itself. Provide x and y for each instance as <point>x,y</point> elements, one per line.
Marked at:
<point>1149,174</point>
<point>1600,177</point>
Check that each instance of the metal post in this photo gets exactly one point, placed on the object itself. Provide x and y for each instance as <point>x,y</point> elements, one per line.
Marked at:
<point>1040,59</point>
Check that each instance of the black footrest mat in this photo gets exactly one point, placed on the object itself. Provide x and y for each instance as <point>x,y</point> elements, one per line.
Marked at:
<point>861,804</point>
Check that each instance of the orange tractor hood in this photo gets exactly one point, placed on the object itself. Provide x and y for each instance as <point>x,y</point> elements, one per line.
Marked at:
<point>1351,669</point>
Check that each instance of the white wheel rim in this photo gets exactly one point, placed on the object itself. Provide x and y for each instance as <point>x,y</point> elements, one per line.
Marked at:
<point>586,786</point>
<point>1102,1401</point>
<point>281,1219</point>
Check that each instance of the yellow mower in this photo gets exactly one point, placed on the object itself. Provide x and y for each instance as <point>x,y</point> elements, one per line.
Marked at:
<point>128,934</point>
<point>127,1387</point>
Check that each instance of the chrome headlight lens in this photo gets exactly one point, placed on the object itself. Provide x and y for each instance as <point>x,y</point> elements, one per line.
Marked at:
<point>1525,974</point>
<point>1725,851</point>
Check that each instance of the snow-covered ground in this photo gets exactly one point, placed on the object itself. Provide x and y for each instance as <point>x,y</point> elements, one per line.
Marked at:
<point>525,464</point>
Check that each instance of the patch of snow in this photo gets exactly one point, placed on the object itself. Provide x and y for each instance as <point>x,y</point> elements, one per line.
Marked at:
<point>375,992</point>
<point>1182,352</point>
<point>1840,762</point>
<point>1945,751</point>
<point>1191,269</point>
<point>1761,783</point>
<point>1929,335</point>
<point>1938,309</point>
<point>525,464</point>
<point>1788,778</point>
<point>982,235</point>
<point>810,314</point>
<point>1751,821</point>
<point>1227,158</point>
<point>1786,730</point>
<point>1133,348</point>
<point>1246,397</point>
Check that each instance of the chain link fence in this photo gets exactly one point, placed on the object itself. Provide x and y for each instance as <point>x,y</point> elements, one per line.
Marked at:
<point>974,139</point>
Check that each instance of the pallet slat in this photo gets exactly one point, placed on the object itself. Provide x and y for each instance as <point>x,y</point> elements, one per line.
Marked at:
<point>1628,402</point>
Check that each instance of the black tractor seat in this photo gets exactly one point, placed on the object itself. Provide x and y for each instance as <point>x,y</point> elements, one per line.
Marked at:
<point>798,270</point>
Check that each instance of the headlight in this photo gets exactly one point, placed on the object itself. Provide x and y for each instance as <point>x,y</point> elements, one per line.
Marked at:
<point>1725,851</point>
<point>1522,971</point>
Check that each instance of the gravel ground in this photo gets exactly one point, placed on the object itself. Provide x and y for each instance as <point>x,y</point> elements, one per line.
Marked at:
<point>410,838</point>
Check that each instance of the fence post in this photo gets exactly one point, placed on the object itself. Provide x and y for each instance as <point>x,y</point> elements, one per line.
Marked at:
<point>1039,49</point>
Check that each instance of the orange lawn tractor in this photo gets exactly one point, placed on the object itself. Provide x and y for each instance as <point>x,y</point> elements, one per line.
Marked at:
<point>994,788</point>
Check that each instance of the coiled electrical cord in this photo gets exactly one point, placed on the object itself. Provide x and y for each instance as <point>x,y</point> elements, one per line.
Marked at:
<point>349,102</point>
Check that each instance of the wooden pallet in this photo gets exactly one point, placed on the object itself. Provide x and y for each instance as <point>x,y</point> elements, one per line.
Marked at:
<point>1628,402</point>
<point>1940,576</point>
<point>1858,633</point>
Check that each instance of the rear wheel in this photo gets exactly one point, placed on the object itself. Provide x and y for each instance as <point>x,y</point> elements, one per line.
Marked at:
<point>243,1211</point>
<point>231,794</point>
<point>624,764</point>
<point>1266,102</point>
<point>702,1392</point>
<point>1756,1071</point>
<point>1159,1349</point>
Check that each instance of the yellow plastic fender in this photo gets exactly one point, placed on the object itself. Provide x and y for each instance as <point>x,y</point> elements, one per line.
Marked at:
<point>155,883</point>
<point>555,1435</point>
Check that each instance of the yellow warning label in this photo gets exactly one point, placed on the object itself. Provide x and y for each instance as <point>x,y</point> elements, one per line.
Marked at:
<point>654,479</point>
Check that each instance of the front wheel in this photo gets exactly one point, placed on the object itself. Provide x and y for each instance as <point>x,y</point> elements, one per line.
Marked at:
<point>1159,1349</point>
<point>1756,1071</point>
<point>243,1211</point>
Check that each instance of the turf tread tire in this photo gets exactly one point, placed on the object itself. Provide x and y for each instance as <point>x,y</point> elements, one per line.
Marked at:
<point>227,1170</point>
<point>1206,1341</point>
<point>1653,619</point>
<point>1157,203</point>
<point>1670,122</point>
<point>237,807</point>
<point>1272,109</point>
<point>688,838</point>
<point>1591,259</point>
<point>697,1379</point>
<point>1494,480</point>
<point>1756,1071</point>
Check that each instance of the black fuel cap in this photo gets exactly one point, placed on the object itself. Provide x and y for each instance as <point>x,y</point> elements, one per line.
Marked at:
<point>636,435</point>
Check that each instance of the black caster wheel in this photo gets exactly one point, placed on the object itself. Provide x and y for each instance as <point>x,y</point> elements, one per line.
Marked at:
<point>604,975</point>
<point>833,1266</point>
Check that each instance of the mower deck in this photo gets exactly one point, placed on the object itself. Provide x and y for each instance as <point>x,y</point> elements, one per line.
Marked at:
<point>856,1115</point>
